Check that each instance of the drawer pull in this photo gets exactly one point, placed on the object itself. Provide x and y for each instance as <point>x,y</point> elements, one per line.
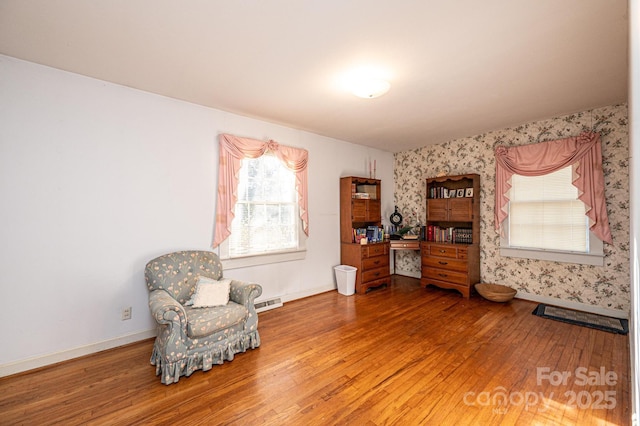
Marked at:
<point>442,275</point>
<point>376,262</point>
<point>442,251</point>
<point>443,263</point>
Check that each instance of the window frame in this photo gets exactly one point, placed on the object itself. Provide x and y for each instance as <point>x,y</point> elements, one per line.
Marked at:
<point>262,259</point>
<point>274,256</point>
<point>594,255</point>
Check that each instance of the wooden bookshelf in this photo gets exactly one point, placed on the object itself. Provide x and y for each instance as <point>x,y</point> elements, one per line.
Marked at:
<point>360,208</point>
<point>451,251</point>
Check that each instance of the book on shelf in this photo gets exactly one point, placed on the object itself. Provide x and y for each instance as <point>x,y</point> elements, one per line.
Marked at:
<point>367,192</point>
<point>373,234</point>
<point>409,237</point>
<point>440,192</point>
<point>361,195</point>
<point>463,235</point>
<point>436,234</point>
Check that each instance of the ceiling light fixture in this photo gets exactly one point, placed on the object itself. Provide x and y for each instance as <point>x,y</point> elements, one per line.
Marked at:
<point>370,88</point>
<point>366,82</point>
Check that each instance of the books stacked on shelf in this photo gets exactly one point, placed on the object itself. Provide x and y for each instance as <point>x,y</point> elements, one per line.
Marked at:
<point>361,192</point>
<point>366,191</point>
<point>463,235</point>
<point>373,234</point>
<point>437,234</point>
<point>439,192</point>
<point>359,234</point>
<point>361,195</point>
<point>442,192</point>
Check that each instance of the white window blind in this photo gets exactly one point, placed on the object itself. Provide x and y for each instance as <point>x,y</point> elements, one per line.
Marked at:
<point>266,213</point>
<point>545,213</point>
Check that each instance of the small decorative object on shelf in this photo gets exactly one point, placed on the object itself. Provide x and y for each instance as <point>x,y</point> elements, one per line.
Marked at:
<point>396,217</point>
<point>410,231</point>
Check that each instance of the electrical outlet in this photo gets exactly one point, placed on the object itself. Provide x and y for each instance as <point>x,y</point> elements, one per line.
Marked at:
<point>126,313</point>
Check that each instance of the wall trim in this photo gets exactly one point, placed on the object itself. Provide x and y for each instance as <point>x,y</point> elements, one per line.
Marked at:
<point>311,292</point>
<point>616,313</point>
<point>54,358</point>
<point>66,355</point>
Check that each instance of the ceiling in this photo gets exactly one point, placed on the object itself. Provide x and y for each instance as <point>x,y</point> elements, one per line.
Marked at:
<point>456,68</point>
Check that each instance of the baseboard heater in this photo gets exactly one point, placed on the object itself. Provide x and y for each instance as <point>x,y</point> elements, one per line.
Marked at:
<point>266,305</point>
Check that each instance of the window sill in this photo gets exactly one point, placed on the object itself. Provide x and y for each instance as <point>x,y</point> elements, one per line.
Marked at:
<point>264,259</point>
<point>554,256</point>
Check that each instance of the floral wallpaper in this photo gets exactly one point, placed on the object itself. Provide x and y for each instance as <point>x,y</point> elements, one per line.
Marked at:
<point>603,286</point>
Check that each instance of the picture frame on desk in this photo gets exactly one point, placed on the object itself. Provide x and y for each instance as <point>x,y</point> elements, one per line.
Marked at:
<point>468,192</point>
<point>460,193</point>
<point>451,193</point>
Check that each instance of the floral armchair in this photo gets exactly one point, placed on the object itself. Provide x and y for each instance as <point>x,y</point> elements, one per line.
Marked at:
<point>191,338</point>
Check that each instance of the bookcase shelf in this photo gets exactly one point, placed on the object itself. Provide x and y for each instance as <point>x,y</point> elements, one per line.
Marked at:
<point>360,216</point>
<point>451,250</point>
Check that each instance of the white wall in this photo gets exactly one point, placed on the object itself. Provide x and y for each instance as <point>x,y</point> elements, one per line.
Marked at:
<point>96,179</point>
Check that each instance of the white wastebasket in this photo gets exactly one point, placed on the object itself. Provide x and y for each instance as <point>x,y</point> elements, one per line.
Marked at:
<point>346,279</point>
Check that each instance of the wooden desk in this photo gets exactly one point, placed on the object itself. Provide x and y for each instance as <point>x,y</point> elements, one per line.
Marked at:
<point>403,245</point>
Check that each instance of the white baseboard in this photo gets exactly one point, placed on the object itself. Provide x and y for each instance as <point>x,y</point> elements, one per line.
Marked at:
<point>53,358</point>
<point>41,361</point>
<point>307,293</point>
<point>573,305</point>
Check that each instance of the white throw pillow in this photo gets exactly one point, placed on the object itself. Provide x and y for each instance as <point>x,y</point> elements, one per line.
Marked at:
<point>210,292</point>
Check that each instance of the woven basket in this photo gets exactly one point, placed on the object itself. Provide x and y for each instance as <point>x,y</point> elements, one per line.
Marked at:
<point>495,292</point>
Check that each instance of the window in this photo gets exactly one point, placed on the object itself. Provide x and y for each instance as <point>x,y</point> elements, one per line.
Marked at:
<point>266,218</point>
<point>266,209</point>
<point>267,230</point>
<point>547,221</point>
<point>546,225</point>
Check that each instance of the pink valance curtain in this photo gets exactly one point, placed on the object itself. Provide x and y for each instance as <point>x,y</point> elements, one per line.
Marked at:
<point>583,152</point>
<point>232,150</point>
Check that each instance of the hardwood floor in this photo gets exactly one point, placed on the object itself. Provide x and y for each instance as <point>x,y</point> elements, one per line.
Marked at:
<point>398,355</point>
